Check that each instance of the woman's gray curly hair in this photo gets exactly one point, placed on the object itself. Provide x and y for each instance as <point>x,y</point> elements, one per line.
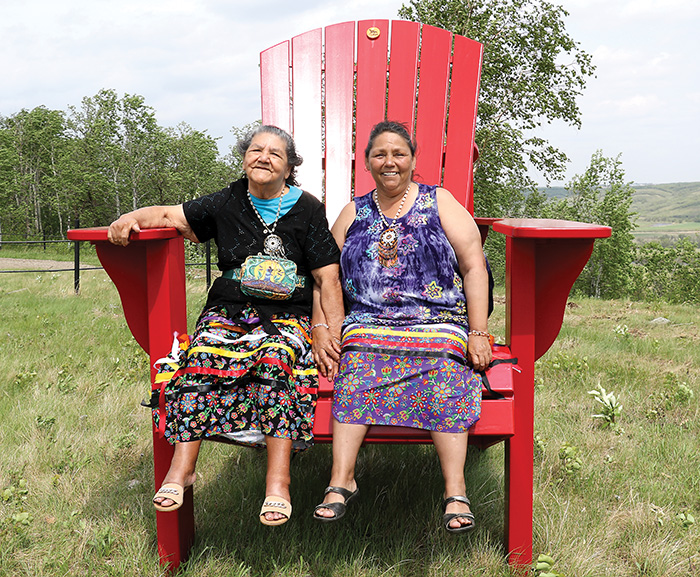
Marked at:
<point>294,159</point>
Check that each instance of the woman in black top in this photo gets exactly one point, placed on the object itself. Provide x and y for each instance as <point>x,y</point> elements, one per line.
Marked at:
<point>247,373</point>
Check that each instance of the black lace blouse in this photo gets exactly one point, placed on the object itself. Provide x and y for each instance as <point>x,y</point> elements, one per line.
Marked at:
<point>227,216</point>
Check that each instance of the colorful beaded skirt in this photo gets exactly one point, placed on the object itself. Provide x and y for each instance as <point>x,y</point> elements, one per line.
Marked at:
<point>415,376</point>
<point>233,379</point>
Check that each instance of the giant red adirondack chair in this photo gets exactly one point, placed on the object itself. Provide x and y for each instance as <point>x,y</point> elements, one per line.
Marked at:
<point>328,87</point>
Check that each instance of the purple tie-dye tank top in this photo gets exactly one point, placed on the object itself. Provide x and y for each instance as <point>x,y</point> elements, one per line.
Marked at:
<point>423,286</point>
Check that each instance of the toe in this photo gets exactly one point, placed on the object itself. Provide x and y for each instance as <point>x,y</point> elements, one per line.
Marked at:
<point>458,522</point>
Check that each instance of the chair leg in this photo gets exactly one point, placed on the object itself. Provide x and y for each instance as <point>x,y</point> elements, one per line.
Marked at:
<point>518,500</point>
<point>175,533</point>
<point>175,529</point>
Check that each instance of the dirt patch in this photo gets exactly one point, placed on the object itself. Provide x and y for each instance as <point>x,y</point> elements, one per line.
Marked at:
<point>32,264</point>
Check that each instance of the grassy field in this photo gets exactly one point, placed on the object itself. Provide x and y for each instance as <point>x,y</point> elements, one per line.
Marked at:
<point>76,472</point>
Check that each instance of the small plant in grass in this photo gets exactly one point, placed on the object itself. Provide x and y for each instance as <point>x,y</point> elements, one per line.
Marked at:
<point>544,567</point>
<point>103,541</point>
<point>622,333</point>
<point>24,379</point>
<point>675,393</point>
<point>678,393</point>
<point>14,498</point>
<point>18,493</point>
<point>570,460</point>
<point>539,447</point>
<point>686,520</point>
<point>45,425</point>
<point>612,407</point>
<point>569,362</point>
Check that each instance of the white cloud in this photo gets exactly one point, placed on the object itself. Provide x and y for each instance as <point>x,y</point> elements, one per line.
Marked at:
<point>668,9</point>
<point>637,105</point>
<point>197,61</point>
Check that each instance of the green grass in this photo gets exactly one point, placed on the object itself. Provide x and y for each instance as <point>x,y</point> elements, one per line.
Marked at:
<point>76,468</point>
<point>51,251</point>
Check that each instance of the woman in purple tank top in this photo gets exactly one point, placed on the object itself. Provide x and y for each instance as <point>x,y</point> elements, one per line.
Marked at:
<point>415,280</point>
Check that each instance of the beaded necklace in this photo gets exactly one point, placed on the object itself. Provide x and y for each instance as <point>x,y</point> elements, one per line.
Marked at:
<point>272,243</point>
<point>388,245</point>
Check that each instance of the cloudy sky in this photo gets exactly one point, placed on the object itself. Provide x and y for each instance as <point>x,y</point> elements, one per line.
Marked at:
<point>195,61</point>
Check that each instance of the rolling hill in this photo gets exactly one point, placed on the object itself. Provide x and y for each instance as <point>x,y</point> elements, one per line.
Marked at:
<point>671,209</point>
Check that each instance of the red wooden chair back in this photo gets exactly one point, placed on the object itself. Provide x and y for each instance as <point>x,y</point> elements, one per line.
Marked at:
<point>329,86</point>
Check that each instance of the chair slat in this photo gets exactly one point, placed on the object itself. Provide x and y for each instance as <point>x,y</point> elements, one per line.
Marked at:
<point>340,85</point>
<point>436,46</point>
<point>461,127</point>
<point>274,85</point>
<point>371,90</point>
<point>306,101</point>
<point>403,72</point>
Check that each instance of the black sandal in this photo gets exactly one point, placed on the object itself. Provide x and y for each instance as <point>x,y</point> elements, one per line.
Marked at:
<point>337,508</point>
<point>447,517</point>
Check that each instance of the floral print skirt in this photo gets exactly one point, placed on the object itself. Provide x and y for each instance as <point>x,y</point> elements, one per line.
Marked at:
<point>414,376</point>
<point>233,379</point>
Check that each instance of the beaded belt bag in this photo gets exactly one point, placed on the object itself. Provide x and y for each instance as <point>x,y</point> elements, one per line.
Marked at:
<point>269,277</point>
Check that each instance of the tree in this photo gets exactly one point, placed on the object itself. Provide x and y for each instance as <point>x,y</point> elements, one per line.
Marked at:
<point>138,134</point>
<point>532,73</point>
<point>187,166</point>
<point>96,160</point>
<point>670,273</point>
<point>602,196</point>
<point>32,147</point>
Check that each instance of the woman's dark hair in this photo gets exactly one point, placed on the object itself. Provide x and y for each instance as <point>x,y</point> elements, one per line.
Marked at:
<point>390,126</point>
<point>294,159</point>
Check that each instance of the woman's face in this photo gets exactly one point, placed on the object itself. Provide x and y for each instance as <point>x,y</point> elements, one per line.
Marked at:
<point>390,162</point>
<point>265,161</point>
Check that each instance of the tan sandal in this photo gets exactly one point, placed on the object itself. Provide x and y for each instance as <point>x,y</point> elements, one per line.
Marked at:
<point>274,504</point>
<point>172,491</point>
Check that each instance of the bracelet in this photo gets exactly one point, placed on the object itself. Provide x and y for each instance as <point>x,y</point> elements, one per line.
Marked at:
<point>324,325</point>
<point>478,334</point>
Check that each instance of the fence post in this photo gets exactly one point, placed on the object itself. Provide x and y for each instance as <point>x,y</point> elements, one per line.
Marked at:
<point>208,258</point>
<point>76,261</point>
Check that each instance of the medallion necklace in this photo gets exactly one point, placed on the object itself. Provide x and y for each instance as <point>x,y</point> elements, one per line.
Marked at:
<point>272,243</point>
<point>388,245</point>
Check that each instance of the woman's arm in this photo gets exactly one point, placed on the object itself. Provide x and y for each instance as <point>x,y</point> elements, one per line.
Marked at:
<point>149,217</point>
<point>328,307</point>
<point>327,319</point>
<point>339,230</point>
<point>463,234</point>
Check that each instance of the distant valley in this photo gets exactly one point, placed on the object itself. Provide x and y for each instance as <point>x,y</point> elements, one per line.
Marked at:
<point>663,210</point>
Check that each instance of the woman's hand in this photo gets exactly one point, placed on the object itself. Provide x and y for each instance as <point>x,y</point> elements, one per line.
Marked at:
<point>479,352</point>
<point>120,230</point>
<point>149,217</point>
<point>326,352</point>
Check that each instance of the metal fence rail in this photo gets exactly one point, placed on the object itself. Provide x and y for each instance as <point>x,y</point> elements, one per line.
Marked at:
<point>76,268</point>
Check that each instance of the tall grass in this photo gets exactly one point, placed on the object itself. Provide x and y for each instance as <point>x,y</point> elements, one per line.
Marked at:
<point>76,468</point>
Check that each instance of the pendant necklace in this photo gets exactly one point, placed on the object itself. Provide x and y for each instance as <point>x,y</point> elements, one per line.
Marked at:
<point>388,245</point>
<point>272,243</point>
